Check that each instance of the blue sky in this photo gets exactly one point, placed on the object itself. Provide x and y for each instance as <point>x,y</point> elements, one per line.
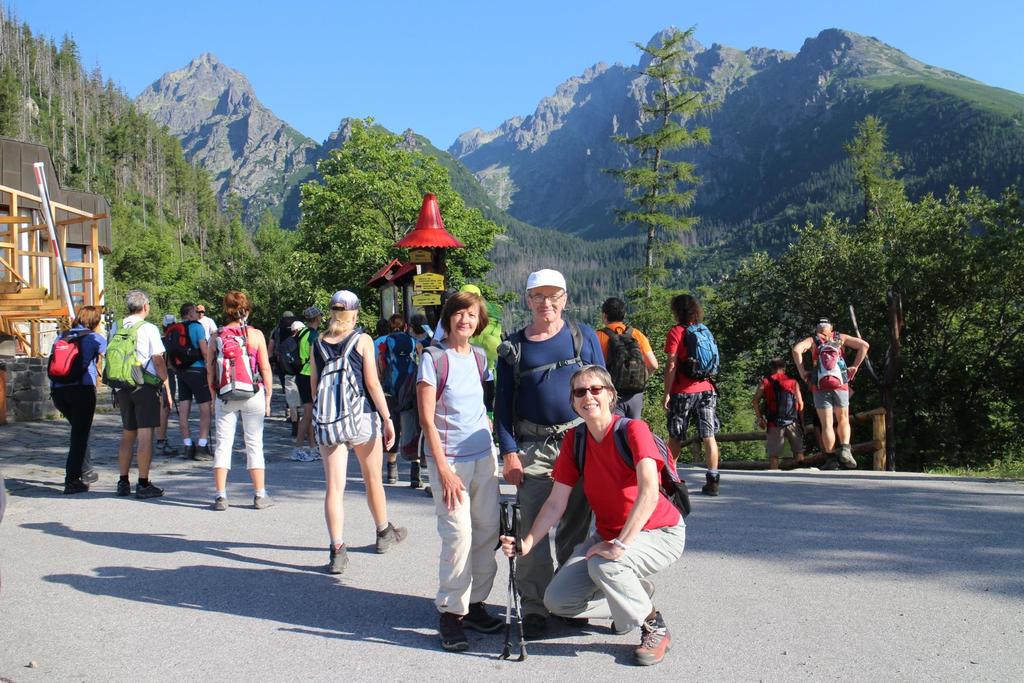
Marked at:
<point>445,67</point>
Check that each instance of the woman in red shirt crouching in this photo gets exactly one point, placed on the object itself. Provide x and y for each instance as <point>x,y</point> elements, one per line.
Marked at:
<point>639,531</point>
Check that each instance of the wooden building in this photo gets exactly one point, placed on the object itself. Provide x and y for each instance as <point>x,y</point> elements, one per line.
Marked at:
<point>32,304</point>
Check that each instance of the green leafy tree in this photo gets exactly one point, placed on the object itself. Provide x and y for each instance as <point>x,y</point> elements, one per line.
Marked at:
<point>369,198</point>
<point>661,188</point>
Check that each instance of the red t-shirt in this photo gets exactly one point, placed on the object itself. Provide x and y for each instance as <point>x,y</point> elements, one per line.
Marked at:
<point>786,382</point>
<point>609,484</point>
<point>681,384</point>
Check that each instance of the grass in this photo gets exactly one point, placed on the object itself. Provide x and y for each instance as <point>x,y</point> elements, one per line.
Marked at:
<point>1011,468</point>
<point>998,100</point>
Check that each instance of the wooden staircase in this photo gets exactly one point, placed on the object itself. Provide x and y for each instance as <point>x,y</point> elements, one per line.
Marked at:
<point>32,305</point>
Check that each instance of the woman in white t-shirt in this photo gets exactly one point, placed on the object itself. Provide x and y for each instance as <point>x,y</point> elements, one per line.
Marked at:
<point>457,436</point>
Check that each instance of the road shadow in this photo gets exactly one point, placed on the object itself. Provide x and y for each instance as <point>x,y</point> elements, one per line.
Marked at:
<point>175,543</point>
<point>970,537</point>
<point>302,602</point>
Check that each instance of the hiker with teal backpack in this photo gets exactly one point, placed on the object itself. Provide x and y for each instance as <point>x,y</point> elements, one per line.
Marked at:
<point>400,355</point>
<point>829,381</point>
<point>457,437</point>
<point>350,413</point>
<point>136,371</point>
<point>692,363</point>
<point>72,372</point>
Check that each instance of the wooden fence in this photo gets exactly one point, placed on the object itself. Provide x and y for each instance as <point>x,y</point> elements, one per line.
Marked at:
<point>875,447</point>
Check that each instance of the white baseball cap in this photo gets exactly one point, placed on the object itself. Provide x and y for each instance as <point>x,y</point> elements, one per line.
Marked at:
<point>345,300</point>
<point>545,278</point>
<point>297,325</point>
<point>169,319</point>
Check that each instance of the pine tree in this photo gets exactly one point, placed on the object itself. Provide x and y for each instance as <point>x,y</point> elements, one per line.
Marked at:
<point>661,189</point>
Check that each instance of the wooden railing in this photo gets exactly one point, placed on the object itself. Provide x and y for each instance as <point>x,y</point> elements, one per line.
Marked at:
<point>875,447</point>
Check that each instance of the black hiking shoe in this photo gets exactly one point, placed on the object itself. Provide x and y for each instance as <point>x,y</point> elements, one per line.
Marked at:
<point>711,487</point>
<point>149,490</point>
<point>535,626</point>
<point>391,536</point>
<point>572,622</point>
<point>338,560</point>
<point>392,477</point>
<point>453,638</point>
<point>124,488</point>
<point>74,486</point>
<point>414,475</point>
<point>831,462</point>
<point>201,453</point>
<point>478,619</point>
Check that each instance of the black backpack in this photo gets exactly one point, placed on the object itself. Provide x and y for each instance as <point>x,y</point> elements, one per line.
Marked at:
<point>626,362</point>
<point>670,486</point>
<point>287,352</point>
<point>785,405</point>
<point>178,345</point>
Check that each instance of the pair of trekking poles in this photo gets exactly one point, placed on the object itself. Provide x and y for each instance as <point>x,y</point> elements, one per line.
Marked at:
<point>510,525</point>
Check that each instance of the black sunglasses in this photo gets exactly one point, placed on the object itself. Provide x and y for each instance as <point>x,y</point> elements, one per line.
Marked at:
<point>580,392</point>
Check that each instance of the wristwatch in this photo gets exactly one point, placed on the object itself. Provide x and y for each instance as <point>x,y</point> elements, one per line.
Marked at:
<point>619,544</point>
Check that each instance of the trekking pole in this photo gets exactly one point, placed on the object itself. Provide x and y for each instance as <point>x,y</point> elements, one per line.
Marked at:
<point>510,518</point>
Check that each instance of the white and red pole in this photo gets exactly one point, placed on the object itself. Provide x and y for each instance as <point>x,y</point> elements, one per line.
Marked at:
<point>44,198</point>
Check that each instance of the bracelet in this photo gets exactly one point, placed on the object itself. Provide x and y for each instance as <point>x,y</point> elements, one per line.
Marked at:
<point>619,544</point>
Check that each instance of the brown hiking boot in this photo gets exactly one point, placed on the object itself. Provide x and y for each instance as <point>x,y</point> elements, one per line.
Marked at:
<point>655,641</point>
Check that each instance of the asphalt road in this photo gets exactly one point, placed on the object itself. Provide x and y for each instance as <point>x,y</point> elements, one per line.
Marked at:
<point>787,576</point>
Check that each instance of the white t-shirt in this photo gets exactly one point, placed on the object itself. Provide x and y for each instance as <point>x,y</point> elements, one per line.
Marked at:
<point>460,415</point>
<point>209,325</point>
<point>148,343</point>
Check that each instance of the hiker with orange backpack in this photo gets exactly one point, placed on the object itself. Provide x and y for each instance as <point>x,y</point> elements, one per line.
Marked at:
<point>241,381</point>
<point>72,372</point>
<point>457,435</point>
<point>783,413</point>
<point>829,381</point>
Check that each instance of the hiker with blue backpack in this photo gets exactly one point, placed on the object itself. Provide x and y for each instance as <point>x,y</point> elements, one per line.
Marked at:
<point>691,365</point>
<point>638,502</point>
<point>350,413</point>
<point>72,373</point>
<point>457,436</point>
<point>829,381</point>
<point>782,417</point>
<point>531,415</point>
<point>400,355</point>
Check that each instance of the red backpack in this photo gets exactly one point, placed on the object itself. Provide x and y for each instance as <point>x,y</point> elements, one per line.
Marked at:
<point>65,364</point>
<point>237,376</point>
<point>180,350</point>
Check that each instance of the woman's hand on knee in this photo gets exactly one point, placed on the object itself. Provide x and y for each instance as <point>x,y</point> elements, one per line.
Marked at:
<point>605,549</point>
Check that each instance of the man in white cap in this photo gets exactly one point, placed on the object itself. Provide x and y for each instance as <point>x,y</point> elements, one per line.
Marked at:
<point>532,413</point>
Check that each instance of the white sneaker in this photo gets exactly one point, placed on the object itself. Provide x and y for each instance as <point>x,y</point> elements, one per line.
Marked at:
<point>299,454</point>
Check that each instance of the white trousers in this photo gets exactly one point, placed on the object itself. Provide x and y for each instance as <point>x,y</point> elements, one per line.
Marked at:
<point>252,412</point>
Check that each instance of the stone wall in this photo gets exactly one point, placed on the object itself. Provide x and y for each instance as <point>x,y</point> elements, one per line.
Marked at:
<point>28,389</point>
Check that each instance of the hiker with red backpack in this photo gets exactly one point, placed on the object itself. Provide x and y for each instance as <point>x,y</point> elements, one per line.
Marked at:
<point>72,372</point>
<point>240,379</point>
<point>638,502</point>
<point>186,344</point>
<point>627,356</point>
<point>690,392</point>
<point>457,436</point>
<point>783,413</point>
<point>829,380</point>
<point>348,411</point>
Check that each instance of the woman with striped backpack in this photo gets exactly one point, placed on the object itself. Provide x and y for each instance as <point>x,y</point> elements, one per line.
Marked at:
<point>348,408</point>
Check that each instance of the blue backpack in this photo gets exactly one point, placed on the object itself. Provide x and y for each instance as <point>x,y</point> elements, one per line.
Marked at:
<point>703,361</point>
<point>399,362</point>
